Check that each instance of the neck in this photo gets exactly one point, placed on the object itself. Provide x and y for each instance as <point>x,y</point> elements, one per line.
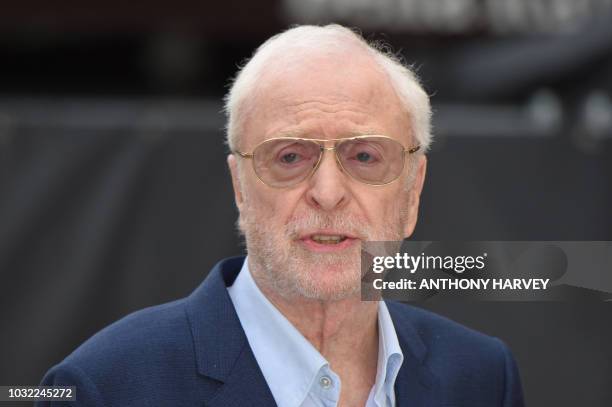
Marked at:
<point>344,331</point>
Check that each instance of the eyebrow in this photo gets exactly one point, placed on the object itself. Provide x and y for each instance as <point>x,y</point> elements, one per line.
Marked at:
<point>313,135</point>
<point>291,133</point>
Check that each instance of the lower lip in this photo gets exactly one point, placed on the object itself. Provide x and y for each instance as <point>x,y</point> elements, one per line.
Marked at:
<point>327,248</point>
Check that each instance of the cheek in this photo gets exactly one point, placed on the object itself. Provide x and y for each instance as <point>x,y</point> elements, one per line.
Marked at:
<point>380,205</point>
<point>271,205</point>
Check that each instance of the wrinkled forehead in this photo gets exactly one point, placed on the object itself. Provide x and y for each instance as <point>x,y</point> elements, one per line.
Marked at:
<point>340,86</point>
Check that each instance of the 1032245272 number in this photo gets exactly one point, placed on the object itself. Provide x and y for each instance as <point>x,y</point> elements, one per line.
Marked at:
<point>37,393</point>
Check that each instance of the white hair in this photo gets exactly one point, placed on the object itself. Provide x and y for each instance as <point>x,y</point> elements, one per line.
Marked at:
<point>403,80</point>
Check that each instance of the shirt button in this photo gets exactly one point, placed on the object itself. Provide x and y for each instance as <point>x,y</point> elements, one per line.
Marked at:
<point>325,382</point>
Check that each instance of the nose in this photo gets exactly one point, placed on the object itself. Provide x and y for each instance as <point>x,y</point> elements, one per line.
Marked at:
<point>327,188</point>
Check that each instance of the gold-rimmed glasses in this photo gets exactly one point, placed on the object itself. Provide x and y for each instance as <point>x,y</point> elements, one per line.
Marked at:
<point>283,162</point>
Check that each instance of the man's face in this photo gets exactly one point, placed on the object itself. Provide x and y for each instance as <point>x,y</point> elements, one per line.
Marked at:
<point>288,230</point>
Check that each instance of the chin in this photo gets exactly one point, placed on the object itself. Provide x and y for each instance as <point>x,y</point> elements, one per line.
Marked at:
<point>328,282</point>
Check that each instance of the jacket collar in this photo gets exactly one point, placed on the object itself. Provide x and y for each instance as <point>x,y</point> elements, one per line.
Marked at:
<point>415,385</point>
<point>221,348</point>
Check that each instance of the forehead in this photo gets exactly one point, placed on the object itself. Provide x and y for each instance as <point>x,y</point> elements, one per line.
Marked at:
<point>324,95</point>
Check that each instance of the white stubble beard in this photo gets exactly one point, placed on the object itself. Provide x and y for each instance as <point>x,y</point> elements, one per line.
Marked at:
<point>282,264</point>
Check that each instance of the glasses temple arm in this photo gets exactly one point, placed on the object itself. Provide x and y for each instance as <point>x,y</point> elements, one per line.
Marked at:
<point>243,155</point>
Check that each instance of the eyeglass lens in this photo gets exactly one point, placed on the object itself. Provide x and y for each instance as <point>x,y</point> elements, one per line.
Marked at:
<point>285,162</point>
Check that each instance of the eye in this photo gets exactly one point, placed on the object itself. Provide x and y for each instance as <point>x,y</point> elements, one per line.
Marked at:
<point>293,155</point>
<point>364,157</point>
<point>289,158</point>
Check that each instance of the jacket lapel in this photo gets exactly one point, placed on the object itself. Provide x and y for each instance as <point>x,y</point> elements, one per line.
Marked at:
<point>415,385</point>
<point>221,347</point>
<point>244,386</point>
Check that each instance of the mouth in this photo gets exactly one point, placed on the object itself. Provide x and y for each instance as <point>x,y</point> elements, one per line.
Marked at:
<point>328,241</point>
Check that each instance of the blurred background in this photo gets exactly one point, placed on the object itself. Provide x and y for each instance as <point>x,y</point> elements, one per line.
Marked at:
<point>114,193</point>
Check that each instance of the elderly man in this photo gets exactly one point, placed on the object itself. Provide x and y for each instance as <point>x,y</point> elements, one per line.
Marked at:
<point>327,137</point>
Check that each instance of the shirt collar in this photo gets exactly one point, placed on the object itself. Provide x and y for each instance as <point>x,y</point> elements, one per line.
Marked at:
<point>390,358</point>
<point>287,360</point>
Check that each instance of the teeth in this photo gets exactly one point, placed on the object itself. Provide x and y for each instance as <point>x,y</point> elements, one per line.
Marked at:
<point>328,239</point>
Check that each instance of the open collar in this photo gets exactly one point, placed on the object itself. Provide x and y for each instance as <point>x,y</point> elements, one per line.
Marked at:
<point>223,353</point>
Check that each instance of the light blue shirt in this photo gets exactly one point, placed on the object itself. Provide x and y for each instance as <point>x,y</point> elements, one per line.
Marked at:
<point>297,374</point>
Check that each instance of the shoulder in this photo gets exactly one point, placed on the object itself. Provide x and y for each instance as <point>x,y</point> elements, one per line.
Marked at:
<point>448,346</point>
<point>465,361</point>
<point>151,333</point>
<point>144,352</point>
<point>438,331</point>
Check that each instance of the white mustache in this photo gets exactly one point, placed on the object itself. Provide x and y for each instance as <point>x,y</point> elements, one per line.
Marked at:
<point>348,224</point>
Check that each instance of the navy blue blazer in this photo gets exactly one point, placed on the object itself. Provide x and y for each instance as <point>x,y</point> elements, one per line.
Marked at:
<point>193,352</point>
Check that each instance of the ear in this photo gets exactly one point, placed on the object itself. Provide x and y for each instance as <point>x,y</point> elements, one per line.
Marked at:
<point>415,195</point>
<point>233,166</point>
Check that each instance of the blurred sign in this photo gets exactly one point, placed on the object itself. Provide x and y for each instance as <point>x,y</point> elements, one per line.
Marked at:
<point>452,16</point>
